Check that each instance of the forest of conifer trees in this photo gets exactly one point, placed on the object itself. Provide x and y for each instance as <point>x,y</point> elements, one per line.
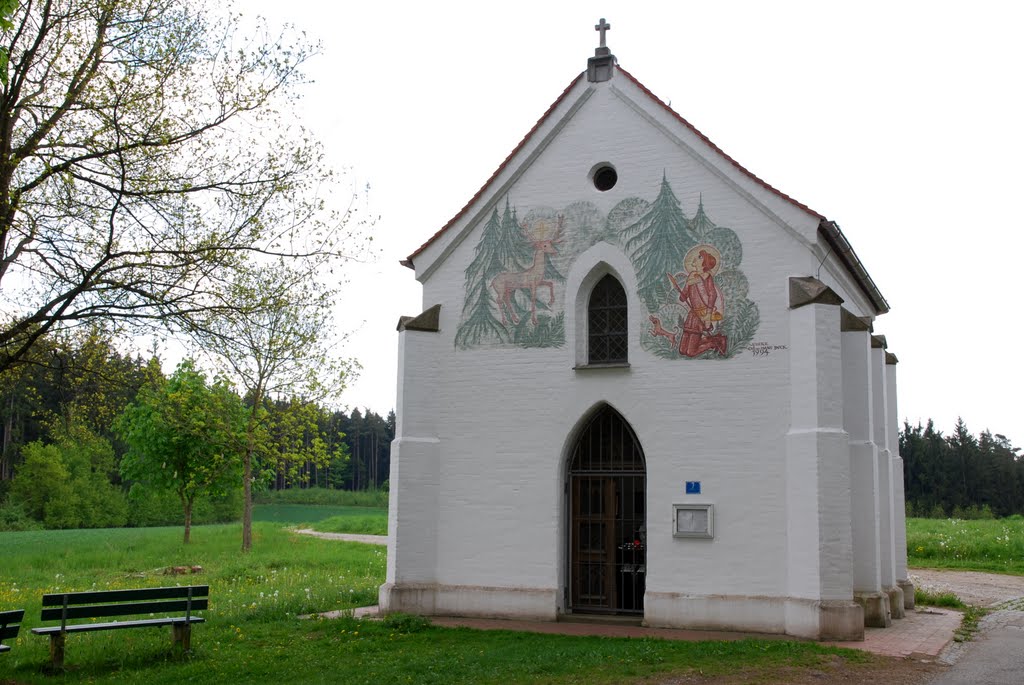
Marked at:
<point>961,475</point>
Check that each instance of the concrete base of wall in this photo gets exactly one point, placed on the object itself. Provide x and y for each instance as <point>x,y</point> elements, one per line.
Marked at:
<point>877,613</point>
<point>427,599</point>
<point>896,604</point>
<point>825,619</point>
<point>818,620</point>
<point>908,593</point>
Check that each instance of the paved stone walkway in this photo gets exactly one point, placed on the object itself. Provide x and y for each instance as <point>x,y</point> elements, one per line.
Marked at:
<point>922,634</point>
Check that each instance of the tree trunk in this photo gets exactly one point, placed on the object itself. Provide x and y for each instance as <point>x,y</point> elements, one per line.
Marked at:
<point>250,450</point>
<point>187,503</point>
<point>247,501</point>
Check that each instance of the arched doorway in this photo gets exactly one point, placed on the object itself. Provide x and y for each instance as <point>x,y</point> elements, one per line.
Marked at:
<point>607,518</point>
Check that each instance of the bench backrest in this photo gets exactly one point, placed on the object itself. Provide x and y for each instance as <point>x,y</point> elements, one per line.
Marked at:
<point>10,623</point>
<point>65,606</point>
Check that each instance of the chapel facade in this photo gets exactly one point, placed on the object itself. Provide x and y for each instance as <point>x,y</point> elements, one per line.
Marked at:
<point>645,383</point>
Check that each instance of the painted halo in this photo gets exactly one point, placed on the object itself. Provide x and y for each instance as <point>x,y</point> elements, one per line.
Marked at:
<point>694,254</point>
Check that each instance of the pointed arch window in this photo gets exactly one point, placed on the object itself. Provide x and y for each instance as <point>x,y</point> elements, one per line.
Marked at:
<point>607,327</point>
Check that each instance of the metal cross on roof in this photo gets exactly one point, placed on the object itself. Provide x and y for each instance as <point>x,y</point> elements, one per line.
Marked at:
<point>602,27</point>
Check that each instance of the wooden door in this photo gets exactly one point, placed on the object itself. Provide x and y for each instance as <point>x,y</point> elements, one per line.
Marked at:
<point>607,514</point>
<point>593,540</point>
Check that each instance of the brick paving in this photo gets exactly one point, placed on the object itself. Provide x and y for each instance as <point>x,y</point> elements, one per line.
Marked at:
<point>922,634</point>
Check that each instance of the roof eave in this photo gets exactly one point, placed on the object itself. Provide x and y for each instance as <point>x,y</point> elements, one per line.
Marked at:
<point>838,244</point>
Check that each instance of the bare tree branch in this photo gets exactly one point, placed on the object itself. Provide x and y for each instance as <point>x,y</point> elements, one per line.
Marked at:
<point>148,149</point>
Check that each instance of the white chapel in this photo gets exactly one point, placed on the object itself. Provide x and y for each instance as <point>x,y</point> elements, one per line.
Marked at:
<point>647,384</point>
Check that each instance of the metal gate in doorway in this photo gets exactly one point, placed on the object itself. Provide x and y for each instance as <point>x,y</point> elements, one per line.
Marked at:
<point>607,518</point>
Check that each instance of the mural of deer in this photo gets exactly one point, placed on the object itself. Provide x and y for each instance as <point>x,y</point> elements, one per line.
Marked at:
<point>543,239</point>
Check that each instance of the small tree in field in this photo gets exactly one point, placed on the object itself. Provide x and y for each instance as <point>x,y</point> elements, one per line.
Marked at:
<point>275,346</point>
<point>184,435</point>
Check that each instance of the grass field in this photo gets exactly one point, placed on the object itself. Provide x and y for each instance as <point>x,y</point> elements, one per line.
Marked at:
<point>324,496</point>
<point>994,545</point>
<point>253,633</point>
<point>326,518</point>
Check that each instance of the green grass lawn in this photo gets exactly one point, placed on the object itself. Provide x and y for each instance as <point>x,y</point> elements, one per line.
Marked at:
<point>253,633</point>
<point>980,545</point>
<point>327,518</point>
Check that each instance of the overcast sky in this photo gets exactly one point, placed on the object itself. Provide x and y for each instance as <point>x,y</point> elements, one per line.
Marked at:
<point>901,121</point>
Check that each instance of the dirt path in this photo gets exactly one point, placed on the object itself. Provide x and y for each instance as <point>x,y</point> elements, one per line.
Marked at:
<point>347,537</point>
<point>972,587</point>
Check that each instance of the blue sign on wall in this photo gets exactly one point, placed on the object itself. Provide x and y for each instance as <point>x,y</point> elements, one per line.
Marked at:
<point>693,487</point>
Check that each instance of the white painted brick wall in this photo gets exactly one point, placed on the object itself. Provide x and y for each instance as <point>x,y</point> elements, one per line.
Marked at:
<point>502,420</point>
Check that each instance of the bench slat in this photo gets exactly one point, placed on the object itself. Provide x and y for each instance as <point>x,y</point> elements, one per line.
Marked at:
<point>9,626</point>
<point>101,610</point>
<point>115,625</point>
<point>12,616</point>
<point>57,598</point>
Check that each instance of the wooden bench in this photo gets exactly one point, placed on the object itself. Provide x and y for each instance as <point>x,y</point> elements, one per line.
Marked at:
<point>69,606</point>
<point>10,624</point>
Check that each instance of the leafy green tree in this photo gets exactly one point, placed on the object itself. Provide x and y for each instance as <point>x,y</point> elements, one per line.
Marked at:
<point>297,447</point>
<point>184,435</point>
<point>67,484</point>
<point>20,409</point>
<point>332,426</point>
<point>147,145</point>
<point>41,477</point>
<point>278,345</point>
<point>90,461</point>
<point>74,379</point>
<point>93,382</point>
<point>7,8</point>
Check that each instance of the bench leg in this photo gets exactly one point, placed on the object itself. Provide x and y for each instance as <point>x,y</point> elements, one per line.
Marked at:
<point>181,634</point>
<point>57,650</point>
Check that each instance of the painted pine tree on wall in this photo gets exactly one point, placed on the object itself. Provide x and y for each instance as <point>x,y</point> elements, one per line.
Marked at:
<point>502,248</point>
<point>515,251</point>
<point>657,244</point>
<point>479,321</point>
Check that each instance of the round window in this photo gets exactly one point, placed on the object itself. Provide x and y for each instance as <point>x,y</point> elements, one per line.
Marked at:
<point>605,177</point>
